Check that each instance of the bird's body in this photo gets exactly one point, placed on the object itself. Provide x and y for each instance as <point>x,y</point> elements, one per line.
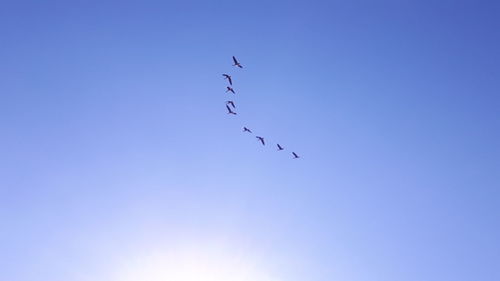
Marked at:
<point>261,140</point>
<point>279,146</point>
<point>245,129</point>
<point>229,89</point>
<point>230,102</point>
<point>229,110</point>
<point>228,77</point>
<point>295,156</point>
<point>236,63</point>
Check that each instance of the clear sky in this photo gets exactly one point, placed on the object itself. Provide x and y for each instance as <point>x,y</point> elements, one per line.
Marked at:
<point>119,162</point>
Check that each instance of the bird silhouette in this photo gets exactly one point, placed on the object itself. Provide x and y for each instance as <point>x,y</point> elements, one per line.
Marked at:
<point>229,89</point>
<point>229,110</point>
<point>231,103</point>
<point>261,140</point>
<point>245,129</point>
<point>236,63</point>
<point>279,146</point>
<point>228,77</point>
<point>295,156</point>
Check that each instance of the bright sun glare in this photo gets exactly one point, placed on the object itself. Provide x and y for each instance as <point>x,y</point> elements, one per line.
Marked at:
<point>190,266</point>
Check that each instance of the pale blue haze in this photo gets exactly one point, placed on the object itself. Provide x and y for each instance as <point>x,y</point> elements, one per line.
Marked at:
<point>115,138</point>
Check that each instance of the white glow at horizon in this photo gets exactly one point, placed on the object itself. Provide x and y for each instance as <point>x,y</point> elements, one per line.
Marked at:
<point>189,266</point>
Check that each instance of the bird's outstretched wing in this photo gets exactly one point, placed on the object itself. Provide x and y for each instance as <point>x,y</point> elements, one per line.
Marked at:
<point>228,109</point>
<point>234,60</point>
<point>228,77</point>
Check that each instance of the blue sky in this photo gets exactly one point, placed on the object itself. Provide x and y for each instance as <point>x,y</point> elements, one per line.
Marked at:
<point>116,143</point>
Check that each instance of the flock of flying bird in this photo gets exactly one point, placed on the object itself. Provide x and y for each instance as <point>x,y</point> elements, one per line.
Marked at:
<point>230,106</point>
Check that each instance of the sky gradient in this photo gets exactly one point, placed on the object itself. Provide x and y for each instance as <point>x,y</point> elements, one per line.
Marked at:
<point>116,147</point>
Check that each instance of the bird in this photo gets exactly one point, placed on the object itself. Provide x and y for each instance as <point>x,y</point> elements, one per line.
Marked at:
<point>279,146</point>
<point>261,140</point>
<point>231,103</point>
<point>229,110</point>
<point>228,77</point>
<point>245,129</point>
<point>229,89</point>
<point>236,63</point>
<point>295,156</point>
